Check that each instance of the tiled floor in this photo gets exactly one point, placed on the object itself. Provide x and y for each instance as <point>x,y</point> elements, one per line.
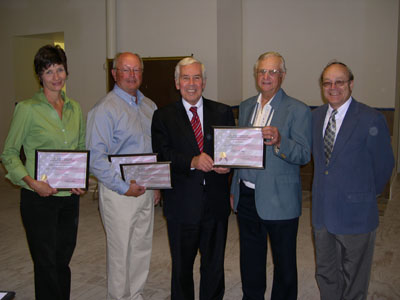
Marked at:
<point>88,264</point>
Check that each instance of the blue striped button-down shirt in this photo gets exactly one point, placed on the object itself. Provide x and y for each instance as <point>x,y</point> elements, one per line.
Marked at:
<point>118,125</point>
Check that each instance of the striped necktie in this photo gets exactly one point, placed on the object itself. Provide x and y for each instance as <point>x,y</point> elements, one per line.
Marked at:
<point>329,137</point>
<point>196,125</point>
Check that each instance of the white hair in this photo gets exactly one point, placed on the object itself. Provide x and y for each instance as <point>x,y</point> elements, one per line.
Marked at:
<point>188,61</point>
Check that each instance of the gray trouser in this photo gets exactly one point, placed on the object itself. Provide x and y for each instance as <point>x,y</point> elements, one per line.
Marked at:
<point>343,264</point>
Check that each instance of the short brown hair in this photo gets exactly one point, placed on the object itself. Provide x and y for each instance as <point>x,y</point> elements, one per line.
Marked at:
<point>47,56</point>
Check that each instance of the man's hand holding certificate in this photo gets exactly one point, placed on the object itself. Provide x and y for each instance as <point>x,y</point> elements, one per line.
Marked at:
<point>150,175</point>
<point>143,171</point>
<point>238,147</point>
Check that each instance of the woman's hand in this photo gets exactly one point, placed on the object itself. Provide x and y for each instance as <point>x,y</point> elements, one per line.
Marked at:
<point>40,187</point>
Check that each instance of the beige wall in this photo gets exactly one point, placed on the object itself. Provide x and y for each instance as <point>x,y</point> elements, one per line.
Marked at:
<point>229,44</point>
<point>226,35</point>
<point>171,28</point>
<point>25,81</point>
<point>309,33</point>
<point>84,33</point>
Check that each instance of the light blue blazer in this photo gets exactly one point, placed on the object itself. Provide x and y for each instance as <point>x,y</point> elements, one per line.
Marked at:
<point>278,186</point>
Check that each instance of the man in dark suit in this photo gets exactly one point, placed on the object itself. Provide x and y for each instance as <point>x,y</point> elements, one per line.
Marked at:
<point>197,207</point>
<point>353,160</point>
<point>268,201</point>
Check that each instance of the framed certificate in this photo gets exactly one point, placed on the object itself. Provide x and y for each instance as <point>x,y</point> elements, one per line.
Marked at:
<point>238,147</point>
<point>7,295</point>
<point>153,176</point>
<point>63,169</point>
<point>117,160</point>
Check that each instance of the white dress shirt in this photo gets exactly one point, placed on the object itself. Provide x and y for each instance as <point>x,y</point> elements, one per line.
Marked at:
<point>339,117</point>
<point>263,115</point>
<point>199,106</point>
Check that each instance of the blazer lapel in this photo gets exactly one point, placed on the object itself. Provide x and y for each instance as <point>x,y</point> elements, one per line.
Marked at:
<point>208,121</point>
<point>318,136</point>
<point>249,112</point>
<point>346,129</point>
<point>279,116</point>
<point>183,123</point>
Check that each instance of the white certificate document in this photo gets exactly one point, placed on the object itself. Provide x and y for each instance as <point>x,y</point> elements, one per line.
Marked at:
<point>153,176</point>
<point>62,169</point>
<point>238,147</point>
<point>118,160</point>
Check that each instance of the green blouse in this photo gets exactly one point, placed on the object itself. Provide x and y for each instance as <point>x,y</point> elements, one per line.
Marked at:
<point>37,125</point>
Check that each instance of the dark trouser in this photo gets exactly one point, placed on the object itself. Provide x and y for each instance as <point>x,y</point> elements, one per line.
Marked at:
<point>51,225</point>
<point>254,233</point>
<point>185,241</point>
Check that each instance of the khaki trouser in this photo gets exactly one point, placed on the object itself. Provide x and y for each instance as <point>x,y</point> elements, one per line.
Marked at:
<point>128,222</point>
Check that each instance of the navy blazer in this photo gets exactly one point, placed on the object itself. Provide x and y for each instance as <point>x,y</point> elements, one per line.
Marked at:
<point>278,186</point>
<point>344,192</point>
<point>173,139</point>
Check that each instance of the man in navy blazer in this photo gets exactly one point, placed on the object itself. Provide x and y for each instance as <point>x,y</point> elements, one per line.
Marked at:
<point>346,183</point>
<point>268,201</point>
<point>197,206</point>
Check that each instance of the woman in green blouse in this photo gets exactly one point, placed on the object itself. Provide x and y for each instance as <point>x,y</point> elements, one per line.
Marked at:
<point>49,120</point>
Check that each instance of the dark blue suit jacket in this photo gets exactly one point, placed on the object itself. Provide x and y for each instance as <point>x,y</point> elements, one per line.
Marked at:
<point>344,192</point>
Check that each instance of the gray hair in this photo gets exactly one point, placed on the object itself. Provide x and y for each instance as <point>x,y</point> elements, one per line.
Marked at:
<point>270,54</point>
<point>188,61</point>
<point>117,56</point>
<point>336,62</point>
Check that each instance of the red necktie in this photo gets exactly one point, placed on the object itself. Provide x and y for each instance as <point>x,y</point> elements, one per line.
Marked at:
<point>196,125</point>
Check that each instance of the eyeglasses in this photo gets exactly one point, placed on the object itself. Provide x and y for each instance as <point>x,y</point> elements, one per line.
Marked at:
<point>127,71</point>
<point>271,73</point>
<point>339,83</point>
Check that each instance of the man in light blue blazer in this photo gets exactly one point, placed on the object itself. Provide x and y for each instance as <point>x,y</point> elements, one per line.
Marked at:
<point>353,160</point>
<point>268,201</point>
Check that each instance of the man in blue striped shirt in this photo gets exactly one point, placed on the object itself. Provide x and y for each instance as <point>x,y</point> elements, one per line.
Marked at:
<point>120,124</point>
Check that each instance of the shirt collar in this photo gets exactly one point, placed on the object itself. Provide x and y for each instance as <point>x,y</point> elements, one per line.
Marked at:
<point>128,98</point>
<point>187,105</point>
<point>259,100</point>
<point>42,97</point>
<point>341,111</point>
